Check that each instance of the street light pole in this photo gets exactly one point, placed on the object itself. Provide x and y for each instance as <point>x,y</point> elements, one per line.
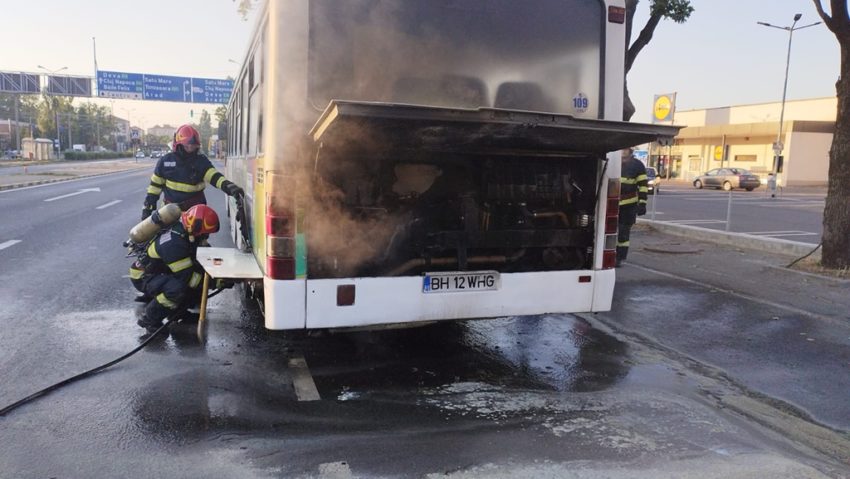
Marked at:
<point>55,108</point>
<point>778,146</point>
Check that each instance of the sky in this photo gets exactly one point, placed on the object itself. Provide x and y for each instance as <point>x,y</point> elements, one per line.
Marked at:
<point>720,57</point>
<point>194,38</point>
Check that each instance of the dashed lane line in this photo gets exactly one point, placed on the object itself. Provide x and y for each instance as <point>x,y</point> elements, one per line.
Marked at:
<point>107,205</point>
<point>6,244</point>
<point>305,388</point>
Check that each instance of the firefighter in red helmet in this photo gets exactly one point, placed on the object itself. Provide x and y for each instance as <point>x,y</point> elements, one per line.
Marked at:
<point>167,274</point>
<point>182,175</point>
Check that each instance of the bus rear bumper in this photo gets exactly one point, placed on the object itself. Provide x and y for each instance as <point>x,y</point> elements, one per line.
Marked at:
<point>298,304</point>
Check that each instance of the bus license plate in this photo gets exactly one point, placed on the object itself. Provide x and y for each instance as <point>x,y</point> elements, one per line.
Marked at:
<point>455,282</point>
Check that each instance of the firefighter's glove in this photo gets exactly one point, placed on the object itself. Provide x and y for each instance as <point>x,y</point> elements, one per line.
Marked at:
<point>232,189</point>
<point>147,210</point>
<point>641,209</point>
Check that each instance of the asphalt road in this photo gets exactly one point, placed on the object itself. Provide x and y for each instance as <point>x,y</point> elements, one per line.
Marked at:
<point>795,215</point>
<point>542,396</point>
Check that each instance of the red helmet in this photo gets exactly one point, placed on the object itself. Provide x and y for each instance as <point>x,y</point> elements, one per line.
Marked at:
<point>200,220</point>
<point>187,135</point>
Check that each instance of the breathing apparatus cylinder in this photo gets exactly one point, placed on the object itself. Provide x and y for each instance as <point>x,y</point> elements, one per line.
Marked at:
<point>150,226</point>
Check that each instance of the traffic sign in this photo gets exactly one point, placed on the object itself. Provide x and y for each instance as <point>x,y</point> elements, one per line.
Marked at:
<point>142,86</point>
<point>778,146</point>
<point>120,85</point>
<point>718,153</point>
<point>169,88</point>
<point>209,90</point>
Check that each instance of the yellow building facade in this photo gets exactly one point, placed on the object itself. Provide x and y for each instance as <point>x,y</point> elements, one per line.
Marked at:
<point>744,136</point>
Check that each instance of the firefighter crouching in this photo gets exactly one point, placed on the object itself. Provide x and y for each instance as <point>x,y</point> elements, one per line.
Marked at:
<point>167,273</point>
<point>182,175</point>
<point>633,192</point>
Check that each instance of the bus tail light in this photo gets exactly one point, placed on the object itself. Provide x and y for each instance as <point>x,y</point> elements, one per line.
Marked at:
<point>612,216</point>
<point>280,226</point>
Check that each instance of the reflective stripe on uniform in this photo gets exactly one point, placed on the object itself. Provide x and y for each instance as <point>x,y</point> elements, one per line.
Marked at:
<point>161,299</point>
<point>628,181</point>
<point>184,187</point>
<point>209,174</point>
<point>643,189</point>
<point>629,201</point>
<point>622,243</point>
<point>136,273</point>
<point>157,180</point>
<point>180,265</point>
<point>154,190</point>
<point>152,252</point>
<point>640,177</point>
<point>195,281</point>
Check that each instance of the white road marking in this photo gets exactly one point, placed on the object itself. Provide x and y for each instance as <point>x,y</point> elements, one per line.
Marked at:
<point>797,233</point>
<point>305,388</point>
<point>6,244</point>
<point>694,222</point>
<point>107,205</point>
<point>84,190</point>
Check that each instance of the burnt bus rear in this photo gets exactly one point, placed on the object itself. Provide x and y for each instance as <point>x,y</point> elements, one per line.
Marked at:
<point>404,190</point>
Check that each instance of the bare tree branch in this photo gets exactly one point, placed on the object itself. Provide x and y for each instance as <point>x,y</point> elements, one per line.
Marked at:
<point>642,40</point>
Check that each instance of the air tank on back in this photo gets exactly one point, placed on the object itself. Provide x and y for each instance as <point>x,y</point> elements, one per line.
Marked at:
<point>150,226</point>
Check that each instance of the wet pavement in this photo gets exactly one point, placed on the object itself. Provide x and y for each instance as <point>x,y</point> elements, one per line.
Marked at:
<point>690,375</point>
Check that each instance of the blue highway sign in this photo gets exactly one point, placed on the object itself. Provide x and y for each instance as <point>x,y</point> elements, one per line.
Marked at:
<point>168,88</point>
<point>142,86</point>
<point>209,90</point>
<point>120,85</point>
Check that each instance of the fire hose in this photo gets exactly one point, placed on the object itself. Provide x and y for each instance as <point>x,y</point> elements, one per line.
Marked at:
<point>100,368</point>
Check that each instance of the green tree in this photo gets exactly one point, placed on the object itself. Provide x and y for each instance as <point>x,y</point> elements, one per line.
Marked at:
<point>836,213</point>
<point>205,128</point>
<point>677,10</point>
<point>27,115</point>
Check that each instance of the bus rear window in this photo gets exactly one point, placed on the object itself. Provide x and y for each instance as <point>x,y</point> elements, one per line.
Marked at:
<point>538,55</point>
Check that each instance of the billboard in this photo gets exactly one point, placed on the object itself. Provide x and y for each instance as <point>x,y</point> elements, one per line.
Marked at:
<point>143,86</point>
<point>69,86</point>
<point>663,107</point>
<point>17,82</point>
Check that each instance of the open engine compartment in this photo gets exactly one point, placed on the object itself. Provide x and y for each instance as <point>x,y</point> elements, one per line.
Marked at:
<point>453,213</point>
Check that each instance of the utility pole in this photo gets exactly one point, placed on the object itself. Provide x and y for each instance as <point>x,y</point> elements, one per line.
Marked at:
<point>17,125</point>
<point>778,145</point>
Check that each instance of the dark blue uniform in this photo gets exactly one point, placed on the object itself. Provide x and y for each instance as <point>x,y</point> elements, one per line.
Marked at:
<point>633,192</point>
<point>168,273</point>
<point>181,178</point>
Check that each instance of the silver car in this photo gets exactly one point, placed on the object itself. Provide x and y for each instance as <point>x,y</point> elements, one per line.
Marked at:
<point>728,178</point>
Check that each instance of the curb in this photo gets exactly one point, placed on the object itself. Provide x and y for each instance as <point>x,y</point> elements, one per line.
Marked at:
<point>57,180</point>
<point>740,240</point>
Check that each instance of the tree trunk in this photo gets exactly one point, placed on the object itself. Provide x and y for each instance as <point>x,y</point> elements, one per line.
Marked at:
<point>628,106</point>
<point>836,214</point>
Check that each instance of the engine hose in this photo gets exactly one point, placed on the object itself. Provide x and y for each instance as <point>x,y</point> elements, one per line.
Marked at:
<point>88,373</point>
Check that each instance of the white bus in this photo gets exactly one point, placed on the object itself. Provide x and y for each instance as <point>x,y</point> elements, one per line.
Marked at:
<point>408,161</point>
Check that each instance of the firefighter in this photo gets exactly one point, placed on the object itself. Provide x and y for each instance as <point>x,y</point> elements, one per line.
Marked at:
<point>182,175</point>
<point>167,274</point>
<point>633,191</point>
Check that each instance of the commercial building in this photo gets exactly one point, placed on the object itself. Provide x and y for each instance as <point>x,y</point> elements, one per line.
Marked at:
<point>743,136</point>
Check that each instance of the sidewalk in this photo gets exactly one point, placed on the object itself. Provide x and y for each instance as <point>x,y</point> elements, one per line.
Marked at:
<point>782,336</point>
<point>19,174</point>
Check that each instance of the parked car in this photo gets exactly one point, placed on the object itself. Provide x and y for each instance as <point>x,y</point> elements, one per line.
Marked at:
<point>728,178</point>
<point>155,154</point>
<point>653,182</point>
<point>140,154</point>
